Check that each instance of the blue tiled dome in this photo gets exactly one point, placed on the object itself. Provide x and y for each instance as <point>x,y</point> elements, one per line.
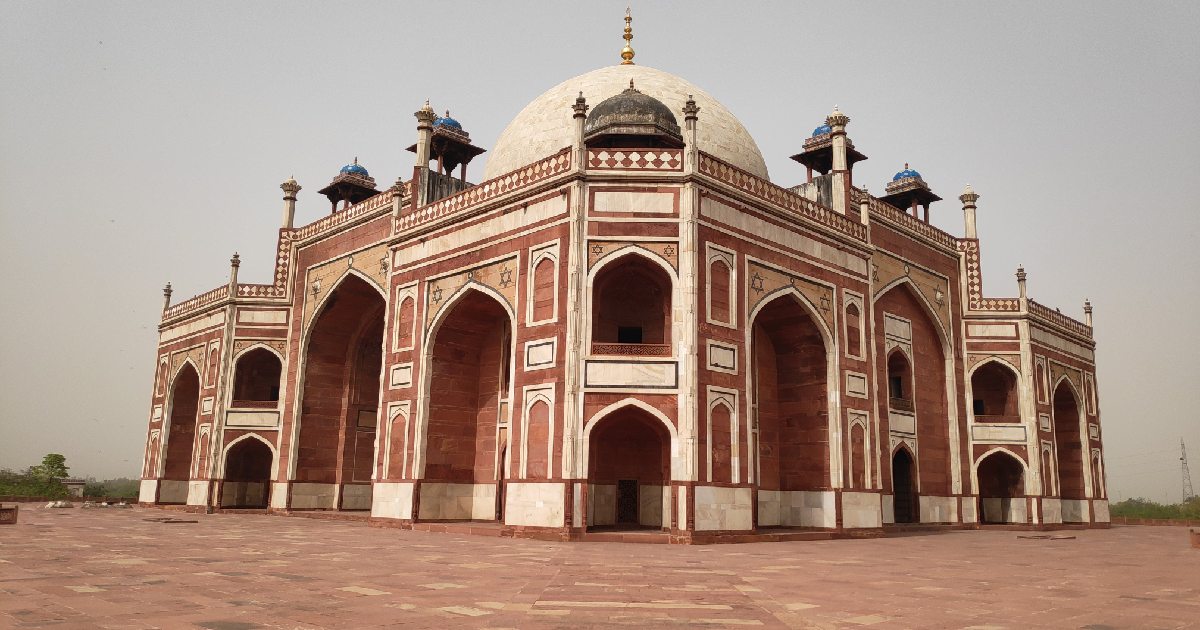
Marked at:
<point>447,121</point>
<point>355,169</point>
<point>907,172</point>
<point>822,130</point>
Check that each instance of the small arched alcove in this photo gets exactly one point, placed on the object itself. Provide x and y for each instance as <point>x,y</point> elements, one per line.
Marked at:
<point>631,308</point>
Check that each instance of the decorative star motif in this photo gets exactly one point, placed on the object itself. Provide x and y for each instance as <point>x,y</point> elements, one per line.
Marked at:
<point>383,265</point>
<point>756,283</point>
<point>874,272</point>
<point>505,277</point>
<point>470,275</point>
<point>597,249</point>
<point>436,295</point>
<point>668,251</point>
<point>825,303</point>
<point>349,261</point>
<point>906,270</point>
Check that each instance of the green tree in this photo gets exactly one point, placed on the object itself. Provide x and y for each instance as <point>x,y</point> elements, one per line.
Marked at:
<point>53,466</point>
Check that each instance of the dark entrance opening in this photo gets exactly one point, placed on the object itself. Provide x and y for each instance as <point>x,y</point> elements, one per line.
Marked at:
<point>627,502</point>
<point>247,475</point>
<point>1001,483</point>
<point>904,495</point>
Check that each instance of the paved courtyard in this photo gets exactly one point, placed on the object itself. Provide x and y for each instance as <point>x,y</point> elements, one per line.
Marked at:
<point>108,568</point>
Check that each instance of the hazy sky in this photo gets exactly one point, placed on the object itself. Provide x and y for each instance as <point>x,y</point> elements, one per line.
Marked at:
<point>142,142</point>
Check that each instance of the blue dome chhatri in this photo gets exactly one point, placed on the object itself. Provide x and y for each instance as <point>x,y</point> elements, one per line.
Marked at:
<point>355,169</point>
<point>907,172</point>
<point>447,121</point>
<point>822,130</point>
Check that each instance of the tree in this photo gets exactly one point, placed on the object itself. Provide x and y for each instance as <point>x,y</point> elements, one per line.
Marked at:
<point>53,466</point>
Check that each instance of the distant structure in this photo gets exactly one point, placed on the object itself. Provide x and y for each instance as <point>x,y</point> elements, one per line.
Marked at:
<point>1188,493</point>
<point>74,486</point>
<point>627,324</point>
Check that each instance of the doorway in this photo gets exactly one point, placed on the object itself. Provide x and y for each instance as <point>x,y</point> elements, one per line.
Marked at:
<point>904,496</point>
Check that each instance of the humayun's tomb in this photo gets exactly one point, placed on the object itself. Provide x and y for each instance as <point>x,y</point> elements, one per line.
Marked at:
<point>626,325</point>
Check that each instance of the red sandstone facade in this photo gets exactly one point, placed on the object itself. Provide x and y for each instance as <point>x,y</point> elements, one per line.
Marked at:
<point>627,335</point>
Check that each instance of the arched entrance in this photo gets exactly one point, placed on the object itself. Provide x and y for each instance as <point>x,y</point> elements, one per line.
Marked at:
<point>335,450</point>
<point>994,394</point>
<point>906,507</point>
<point>247,482</point>
<point>1068,446</point>
<point>789,373</point>
<point>181,435</point>
<point>1001,489</point>
<point>629,470</point>
<point>469,383</point>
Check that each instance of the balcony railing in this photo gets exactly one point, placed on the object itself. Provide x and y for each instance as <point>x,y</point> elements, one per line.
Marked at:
<point>900,404</point>
<point>632,349</point>
<point>987,417</point>
<point>254,404</point>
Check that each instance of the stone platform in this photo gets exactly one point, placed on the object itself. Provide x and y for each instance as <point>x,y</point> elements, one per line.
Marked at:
<point>145,568</point>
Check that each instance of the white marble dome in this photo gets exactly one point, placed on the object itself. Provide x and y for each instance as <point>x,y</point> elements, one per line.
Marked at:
<point>546,124</point>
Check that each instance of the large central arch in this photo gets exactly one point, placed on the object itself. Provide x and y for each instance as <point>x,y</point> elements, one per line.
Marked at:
<point>339,407</point>
<point>909,335</point>
<point>791,358</point>
<point>469,363</point>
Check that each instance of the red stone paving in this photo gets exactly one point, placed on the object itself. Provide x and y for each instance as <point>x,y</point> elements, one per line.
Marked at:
<point>109,568</point>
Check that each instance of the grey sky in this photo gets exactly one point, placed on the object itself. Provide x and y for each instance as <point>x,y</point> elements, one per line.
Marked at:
<point>145,142</point>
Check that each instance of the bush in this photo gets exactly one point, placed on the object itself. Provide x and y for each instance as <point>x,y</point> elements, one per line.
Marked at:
<point>1145,508</point>
<point>120,488</point>
<point>26,484</point>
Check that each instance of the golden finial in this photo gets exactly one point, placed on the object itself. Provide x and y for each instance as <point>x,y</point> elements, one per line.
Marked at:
<point>627,51</point>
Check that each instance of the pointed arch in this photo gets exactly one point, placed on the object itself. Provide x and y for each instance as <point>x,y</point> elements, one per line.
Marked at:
<point>451,467</point>
<point>1026,480</point>
<point>722,440</point>
<point>335,414</point>
<point>831,459</point>
<point>935,393</point>
<point>676,464</point>
<point>242,438</point>
<point>246,475</point>
<point>930,311</point>
<point>256,346</point>
<point>631,455</point>
<point>256,378</point>
<point>1001,480</point>
<point>827,335</point>
<point>631,249</point>
<point>175,375</point>
<point>459,294</point>
<point>906,484</point>
<point>1074,389</point>
<point>1070,441</point>
<point>319,307</point>
<point>180,424</point>
<point>631,296</point>
<point>994,391</point>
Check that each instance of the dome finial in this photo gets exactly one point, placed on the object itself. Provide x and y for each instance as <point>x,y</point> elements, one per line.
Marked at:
<point>627,51</point>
